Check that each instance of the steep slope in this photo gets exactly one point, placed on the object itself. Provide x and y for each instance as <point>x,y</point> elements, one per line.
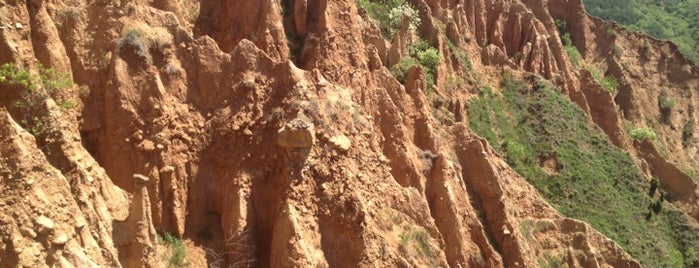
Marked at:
<point>278,135</point>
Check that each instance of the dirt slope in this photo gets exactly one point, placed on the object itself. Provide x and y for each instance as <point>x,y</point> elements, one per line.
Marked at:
<point>274,134</point>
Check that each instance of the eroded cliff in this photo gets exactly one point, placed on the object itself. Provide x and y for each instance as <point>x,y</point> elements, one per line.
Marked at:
<point>273,133</point>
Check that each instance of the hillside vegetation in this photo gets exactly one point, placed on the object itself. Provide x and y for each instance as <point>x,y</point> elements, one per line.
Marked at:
<point>547,139</point>
<point>675,20</point>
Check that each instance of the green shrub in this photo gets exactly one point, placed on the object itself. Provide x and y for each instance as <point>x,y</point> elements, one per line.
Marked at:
<point>423,55</point>
<point>430,59</point>
<point>643,133</point>
<point>400,70</point>
<point>654,184</point>
<point>418,240</point>
<point>33,90</point>
<point>178,254</point>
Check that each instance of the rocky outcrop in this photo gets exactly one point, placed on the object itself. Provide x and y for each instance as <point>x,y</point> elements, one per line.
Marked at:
<point>261,22</point>
<point>135,236</point>
<point>47,218</point>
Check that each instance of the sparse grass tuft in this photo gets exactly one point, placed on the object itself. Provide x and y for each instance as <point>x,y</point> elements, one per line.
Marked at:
<point>417,241</point>
<point>134,39</point>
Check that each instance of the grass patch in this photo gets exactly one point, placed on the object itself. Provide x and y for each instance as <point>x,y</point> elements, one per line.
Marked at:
<point>461,55</point>
<point>609,82</point>
<point>595,181</point>
<point>574,55</point>
<point>417,242</point>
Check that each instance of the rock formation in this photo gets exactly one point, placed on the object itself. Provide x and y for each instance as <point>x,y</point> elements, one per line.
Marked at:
<point>274,134</point>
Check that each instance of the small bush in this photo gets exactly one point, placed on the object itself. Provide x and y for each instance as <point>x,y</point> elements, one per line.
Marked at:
<point>654,184</point>
<point>389,14</point>
<point>643,133</point>
<point>423,55</point>
<point>430,59</point>
<point>400,70</point>
<point>33,90</point>
<point>617,51</point>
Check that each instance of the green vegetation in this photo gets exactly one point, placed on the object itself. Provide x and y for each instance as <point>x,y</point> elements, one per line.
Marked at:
<point>593,180</point>
<point>422,55</point>
<point>665,104</point>
<point>177,256</point>
<point>568,46</point>
<point>675,20</point>
<point>461,55</point>
<point>32,90</point>
<point>388,15</point>
<point>608,82</point>
<point>643,133</point>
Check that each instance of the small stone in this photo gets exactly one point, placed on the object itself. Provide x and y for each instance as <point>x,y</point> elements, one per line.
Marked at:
<point>19,25</point>
<point>341,142</point>
<point>160,146</point>
<point>44,224</point>
<point>61,239</point>
<point>28,232</point>
<point>80,222</point>
<point>505,230</point>
<point>137,136</point>
<point>146,145</point>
